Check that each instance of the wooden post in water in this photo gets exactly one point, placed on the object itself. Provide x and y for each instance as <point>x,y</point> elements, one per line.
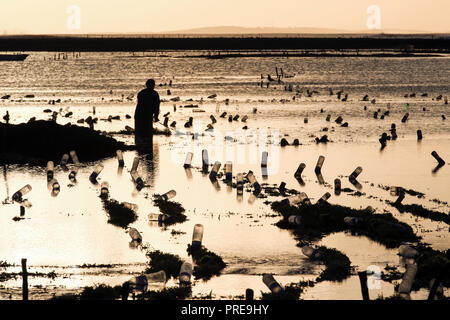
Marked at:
<point>24,280</point>
<point>363,280</point>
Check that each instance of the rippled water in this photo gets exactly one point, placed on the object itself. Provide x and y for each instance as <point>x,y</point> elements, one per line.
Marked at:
<point>61,233</point>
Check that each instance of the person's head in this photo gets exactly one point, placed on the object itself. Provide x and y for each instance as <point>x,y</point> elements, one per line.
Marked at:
<point>150,84</point>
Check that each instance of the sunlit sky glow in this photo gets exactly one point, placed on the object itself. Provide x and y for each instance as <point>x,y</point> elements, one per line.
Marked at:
<point>136,16</point>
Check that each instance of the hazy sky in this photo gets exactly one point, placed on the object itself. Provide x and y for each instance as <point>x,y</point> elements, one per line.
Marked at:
<point>98,16</point>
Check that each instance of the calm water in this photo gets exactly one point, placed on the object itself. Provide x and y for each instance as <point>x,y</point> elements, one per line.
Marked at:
<point>61,233</point>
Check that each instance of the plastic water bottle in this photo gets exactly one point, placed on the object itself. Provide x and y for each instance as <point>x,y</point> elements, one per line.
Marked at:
<point>355,173</point>
<point>214,170</point>
<point>197,236</point>
<point>244,119</point>
<point>96,171</point>
<point>130,206</point>
<point>213,119</point>
<point>50,169</point>
<point>64,160</point>
<point>337,186</point>
<point>168,195</point>
<point>54,184</point>
<point>292,200</point>
<point>395,191</point>
<point>251,178</point>
<point>264,158</point>
<point>205,160</point>
<point>73,173</point>
<point>135,164</point>
<point>104,190</point>
<point>304,198</point>
<point>282,187</point>
<point>19,194</point>
<point>137,179</point>
<point>298,173</point>
<point>185,273</point>
<point>158,217</point>
<point>407,252</point>
<point>240,183</point>
<point>295,219</point>
<point>399,199</point>
<point>228,171</point>
<point>311,253</point>
<point>324,198</point>
<point>319,164</point>
<point>135,235</point>
<point>272,284</point>
<point>74,157</point>
<point>188,161</point>
<point>408,279</point>
<point>120,158</point>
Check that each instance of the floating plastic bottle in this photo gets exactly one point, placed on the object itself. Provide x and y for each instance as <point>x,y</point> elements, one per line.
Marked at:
<point>19,194</point>
<point>64,160</point>
<point>299,171</point>
<point>251,178</point>
<point>244,119</point>
<point>405,117</point>
<point>395,191</point>
<point>214,170</point>
<point>73,173</point>
<point>223,115</point>
<point>137,179</point>
<point>355,173</point>
<point>408,279</point>
<point>407,252</point>
<point>236,117</point>
<point>130,206</point>
<point>324,198</point>
<point>295,219</point>
<point>96,171</point>
<point>439,159</point>
<point>271,283</point>
<point>240,183</point>
<point>50,169</point>
<point>104,189</point>
<point>249,295</point>
<point>264,159</point>
<point>205,160</point>
<point>419,135</point>
<point>337,186</point>
<point>74,157</point>
<point>328,118</point>
<point>311,253</point>
<point>188,161</point>
<point>140,283</point>
<point>135,164</point>
<point>282,187</point>
<point>185,273</point>
<point>213,119</point>
<point>135,235</point>
<point>168,195</point>
<point>197,236</point>
<point>228,171</point>
<point>319,164</point>
<point>304,198</point>
<point>292,200</point>
<point>119,154</point>
<point>161,218</point>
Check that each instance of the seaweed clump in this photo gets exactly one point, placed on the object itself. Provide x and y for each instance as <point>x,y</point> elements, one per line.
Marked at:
<point>173,293</point>
<point>101,292</point>
<point>171,264</point>
<point>319,220</point>
<point>208,263</point>
<point>291,291</point>
<point>337,265</point>
<point>174,211</point>
<point>40,141</point>
<point>418,210</point>
<point>119,214</point>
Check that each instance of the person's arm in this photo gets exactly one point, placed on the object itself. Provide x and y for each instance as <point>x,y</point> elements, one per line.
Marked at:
<point>156,111</point>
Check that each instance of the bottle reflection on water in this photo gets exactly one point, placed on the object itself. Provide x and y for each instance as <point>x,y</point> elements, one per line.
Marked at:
<point>96,172</point>
<point>104,189</point>
<point>50,169</point>
<point>271,283</point>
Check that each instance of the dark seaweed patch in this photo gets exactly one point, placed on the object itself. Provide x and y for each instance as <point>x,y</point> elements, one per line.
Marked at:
<point>170,263</point>
<point>119,214</point>
<point>208,263</point>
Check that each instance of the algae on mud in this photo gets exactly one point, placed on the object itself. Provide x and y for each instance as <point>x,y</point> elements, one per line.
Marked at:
<point>40,141</point>
<point>337,265</point>
<point>319,220</point>
<point>207,263</point>
<point>420,211</point>
<point>119,214</point>
<point>171,264</point>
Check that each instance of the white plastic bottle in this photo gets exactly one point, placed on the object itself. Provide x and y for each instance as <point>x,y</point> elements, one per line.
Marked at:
<point>251,178</point>
<point>64,160</point>
<point>197,236</point>
<point>135,164</point>
<point>319,164</point>
<point>311,253</point>
<point>214,170</point>
<point>185,273</point>
<point>73,173</point>
<point>240,183</point>
<point>228,171</point>
<point>168,195</point>
<point>264,159</point>
<point>137,179</point>
<point>271,283</point>
<point>74,157</point>
<point>135,235</point>
<point>104,189</point>
<point>130,206</point>
<point>188,161</point>
<point>295,219</point>
<point>19,194</point>
<point>96,171</point>
<point>119,154</point>
<point>356,173</point>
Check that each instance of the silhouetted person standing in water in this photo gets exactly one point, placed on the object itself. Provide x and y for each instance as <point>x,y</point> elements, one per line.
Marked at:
<point>147,110</point>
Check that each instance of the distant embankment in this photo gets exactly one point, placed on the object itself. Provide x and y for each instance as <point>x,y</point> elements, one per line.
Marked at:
<point>142,43</point>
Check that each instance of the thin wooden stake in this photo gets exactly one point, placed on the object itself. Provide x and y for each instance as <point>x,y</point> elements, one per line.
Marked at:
<point>24,280</point>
